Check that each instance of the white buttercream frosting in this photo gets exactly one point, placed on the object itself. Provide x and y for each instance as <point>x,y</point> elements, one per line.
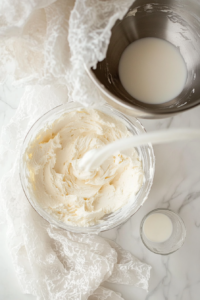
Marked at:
<point>61,188</point>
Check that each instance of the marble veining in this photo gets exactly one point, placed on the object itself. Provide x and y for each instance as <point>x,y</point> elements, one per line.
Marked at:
<point>176,186</point>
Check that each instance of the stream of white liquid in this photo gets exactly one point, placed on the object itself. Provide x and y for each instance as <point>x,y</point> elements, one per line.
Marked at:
<point>94,158</point>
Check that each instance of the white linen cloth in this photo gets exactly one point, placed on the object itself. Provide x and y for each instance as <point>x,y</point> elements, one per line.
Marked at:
<point>43,45</point>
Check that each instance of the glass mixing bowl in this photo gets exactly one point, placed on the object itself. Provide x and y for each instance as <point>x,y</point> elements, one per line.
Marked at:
<point>114,219</point>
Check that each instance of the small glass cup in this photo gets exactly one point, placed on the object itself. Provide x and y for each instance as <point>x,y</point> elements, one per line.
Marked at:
<point>174,242</point>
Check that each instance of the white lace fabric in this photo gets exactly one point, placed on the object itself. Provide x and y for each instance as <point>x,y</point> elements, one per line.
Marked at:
<point>43,46</point>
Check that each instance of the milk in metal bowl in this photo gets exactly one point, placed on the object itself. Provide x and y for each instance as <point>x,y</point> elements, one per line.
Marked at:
<point>152,70</point>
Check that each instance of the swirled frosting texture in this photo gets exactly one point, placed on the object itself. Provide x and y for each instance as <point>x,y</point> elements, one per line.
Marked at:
<point>76,197</point>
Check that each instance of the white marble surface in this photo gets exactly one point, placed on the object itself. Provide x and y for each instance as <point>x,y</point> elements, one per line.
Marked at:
<point>176,186</point>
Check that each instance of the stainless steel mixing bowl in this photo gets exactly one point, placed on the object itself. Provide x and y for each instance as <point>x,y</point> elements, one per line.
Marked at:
<point>173,20</point>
